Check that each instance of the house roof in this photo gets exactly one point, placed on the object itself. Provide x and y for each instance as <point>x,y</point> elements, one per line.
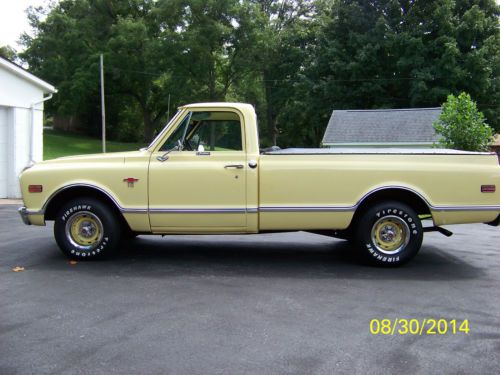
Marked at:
<point>24,74</point>
<point>380,126</point>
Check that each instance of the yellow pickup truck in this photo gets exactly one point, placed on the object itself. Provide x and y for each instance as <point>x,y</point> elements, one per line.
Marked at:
<point>204,173</point>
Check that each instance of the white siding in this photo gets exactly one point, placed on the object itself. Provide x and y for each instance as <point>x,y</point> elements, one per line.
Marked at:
<point>17,92</point>
<point>18,122</point>
<point>4,111</point>
<point>18,148</point>
<point>15,138</point>
<point>38,134</point>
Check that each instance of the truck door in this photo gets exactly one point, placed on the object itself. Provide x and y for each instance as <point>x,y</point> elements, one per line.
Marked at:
<point>197,178</point>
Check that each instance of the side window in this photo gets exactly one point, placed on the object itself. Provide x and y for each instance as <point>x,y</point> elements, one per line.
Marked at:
<point>207,131</point>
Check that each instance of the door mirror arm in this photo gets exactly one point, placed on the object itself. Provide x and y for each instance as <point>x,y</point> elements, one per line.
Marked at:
<point>164,157</point>
<point>180,142</point>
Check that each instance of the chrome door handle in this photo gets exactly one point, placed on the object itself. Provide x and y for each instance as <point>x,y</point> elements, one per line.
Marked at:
<point>237,166</point>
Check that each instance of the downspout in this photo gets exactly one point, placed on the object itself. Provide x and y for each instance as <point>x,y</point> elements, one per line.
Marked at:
<point>32,135</point>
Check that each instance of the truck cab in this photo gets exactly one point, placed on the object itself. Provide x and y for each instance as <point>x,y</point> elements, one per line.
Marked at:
<point>208,158</point>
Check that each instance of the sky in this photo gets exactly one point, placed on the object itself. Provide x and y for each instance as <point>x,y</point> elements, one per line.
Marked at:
<point>13,20</point>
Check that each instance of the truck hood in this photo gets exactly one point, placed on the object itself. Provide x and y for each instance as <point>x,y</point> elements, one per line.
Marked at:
<point>118,157</point>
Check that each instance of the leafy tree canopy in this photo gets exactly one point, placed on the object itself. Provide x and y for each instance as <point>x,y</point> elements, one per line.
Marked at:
<point>295,61</point>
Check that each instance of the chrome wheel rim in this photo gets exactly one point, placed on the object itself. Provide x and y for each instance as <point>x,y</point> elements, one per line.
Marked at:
<point>390,234</point>
<point>84,230</point>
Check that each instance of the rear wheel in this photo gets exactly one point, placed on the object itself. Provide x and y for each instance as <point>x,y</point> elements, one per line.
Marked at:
<point>389,234</point>
<point>86,228</point>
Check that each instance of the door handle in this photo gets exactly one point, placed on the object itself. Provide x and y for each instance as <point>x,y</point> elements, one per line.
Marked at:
<point>237,166</point>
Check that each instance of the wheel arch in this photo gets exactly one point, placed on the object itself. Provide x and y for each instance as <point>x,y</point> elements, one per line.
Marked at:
<point>393,193</point>
<point>63,195</point>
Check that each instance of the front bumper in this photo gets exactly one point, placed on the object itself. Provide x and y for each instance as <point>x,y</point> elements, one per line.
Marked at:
<point>23,211</point>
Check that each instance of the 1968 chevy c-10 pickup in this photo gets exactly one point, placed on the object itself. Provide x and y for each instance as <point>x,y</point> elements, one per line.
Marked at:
<point>204,173</point>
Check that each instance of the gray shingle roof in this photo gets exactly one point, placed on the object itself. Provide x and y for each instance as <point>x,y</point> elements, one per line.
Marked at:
<point>382,126</point>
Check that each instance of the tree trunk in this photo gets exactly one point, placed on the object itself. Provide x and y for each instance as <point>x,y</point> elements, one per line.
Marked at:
<point>271,125</point>
<point>212,82</point>
<point>148,125</point>
<point>211,90</point>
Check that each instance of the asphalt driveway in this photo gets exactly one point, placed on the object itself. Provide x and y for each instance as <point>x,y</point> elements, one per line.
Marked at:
<point>262,304</point>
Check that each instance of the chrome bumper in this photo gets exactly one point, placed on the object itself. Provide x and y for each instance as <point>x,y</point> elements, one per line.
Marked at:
<point>24,215</point>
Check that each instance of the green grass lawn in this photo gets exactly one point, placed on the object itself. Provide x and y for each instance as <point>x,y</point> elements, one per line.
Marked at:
<point>57,144</point>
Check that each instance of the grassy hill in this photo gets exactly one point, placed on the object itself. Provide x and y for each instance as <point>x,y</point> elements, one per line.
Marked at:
<point>57,144</point>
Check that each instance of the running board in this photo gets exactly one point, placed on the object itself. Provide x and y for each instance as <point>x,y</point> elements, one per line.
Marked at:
<point>444,232</point>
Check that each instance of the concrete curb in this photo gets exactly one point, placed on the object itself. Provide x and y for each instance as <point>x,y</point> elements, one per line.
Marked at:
<point>11,201</point>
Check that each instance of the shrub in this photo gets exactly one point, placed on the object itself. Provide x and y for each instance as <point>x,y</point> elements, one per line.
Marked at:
<point>462,126</point>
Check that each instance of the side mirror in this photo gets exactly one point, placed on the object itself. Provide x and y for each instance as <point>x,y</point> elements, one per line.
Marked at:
<point>164,157</point>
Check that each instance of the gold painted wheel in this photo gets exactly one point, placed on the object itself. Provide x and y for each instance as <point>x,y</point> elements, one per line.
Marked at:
<point>84,230</point>
<point>390,234</point>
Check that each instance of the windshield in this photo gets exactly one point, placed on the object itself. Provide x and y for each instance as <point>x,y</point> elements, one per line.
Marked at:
<point>178,135</point>
<point>160,134</point>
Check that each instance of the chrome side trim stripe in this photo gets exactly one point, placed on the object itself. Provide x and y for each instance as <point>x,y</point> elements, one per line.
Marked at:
<point>465,208</point>
<point>273,209</point>
<point>133,210</point>
<point>291,209</point>
<point>307,209</point>
<point>197,210</point>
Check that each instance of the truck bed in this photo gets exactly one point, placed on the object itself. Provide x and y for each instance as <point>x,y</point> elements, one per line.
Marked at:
<point>368,151</point>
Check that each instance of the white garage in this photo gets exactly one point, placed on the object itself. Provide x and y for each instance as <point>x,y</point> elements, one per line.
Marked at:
<point>21,123</point>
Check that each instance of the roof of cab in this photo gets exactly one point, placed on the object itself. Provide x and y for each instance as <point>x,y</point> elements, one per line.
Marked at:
<point>219,104</point>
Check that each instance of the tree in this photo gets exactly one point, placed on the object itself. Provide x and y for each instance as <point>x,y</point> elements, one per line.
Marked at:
<point>462,126</point>
<point>295,61</point>
<point>402,54</point>
<point>213,41</point>
<point>478,39</point>
<point>65,51</point>
<point>283,33</point>
<point>7,52</point>
<point>139,66</point>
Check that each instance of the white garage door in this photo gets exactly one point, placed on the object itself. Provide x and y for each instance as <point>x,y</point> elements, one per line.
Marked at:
<point>3,151</point>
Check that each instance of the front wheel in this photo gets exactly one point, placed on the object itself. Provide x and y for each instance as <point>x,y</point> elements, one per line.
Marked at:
<point>389,234</point>
<point>86,228</point>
